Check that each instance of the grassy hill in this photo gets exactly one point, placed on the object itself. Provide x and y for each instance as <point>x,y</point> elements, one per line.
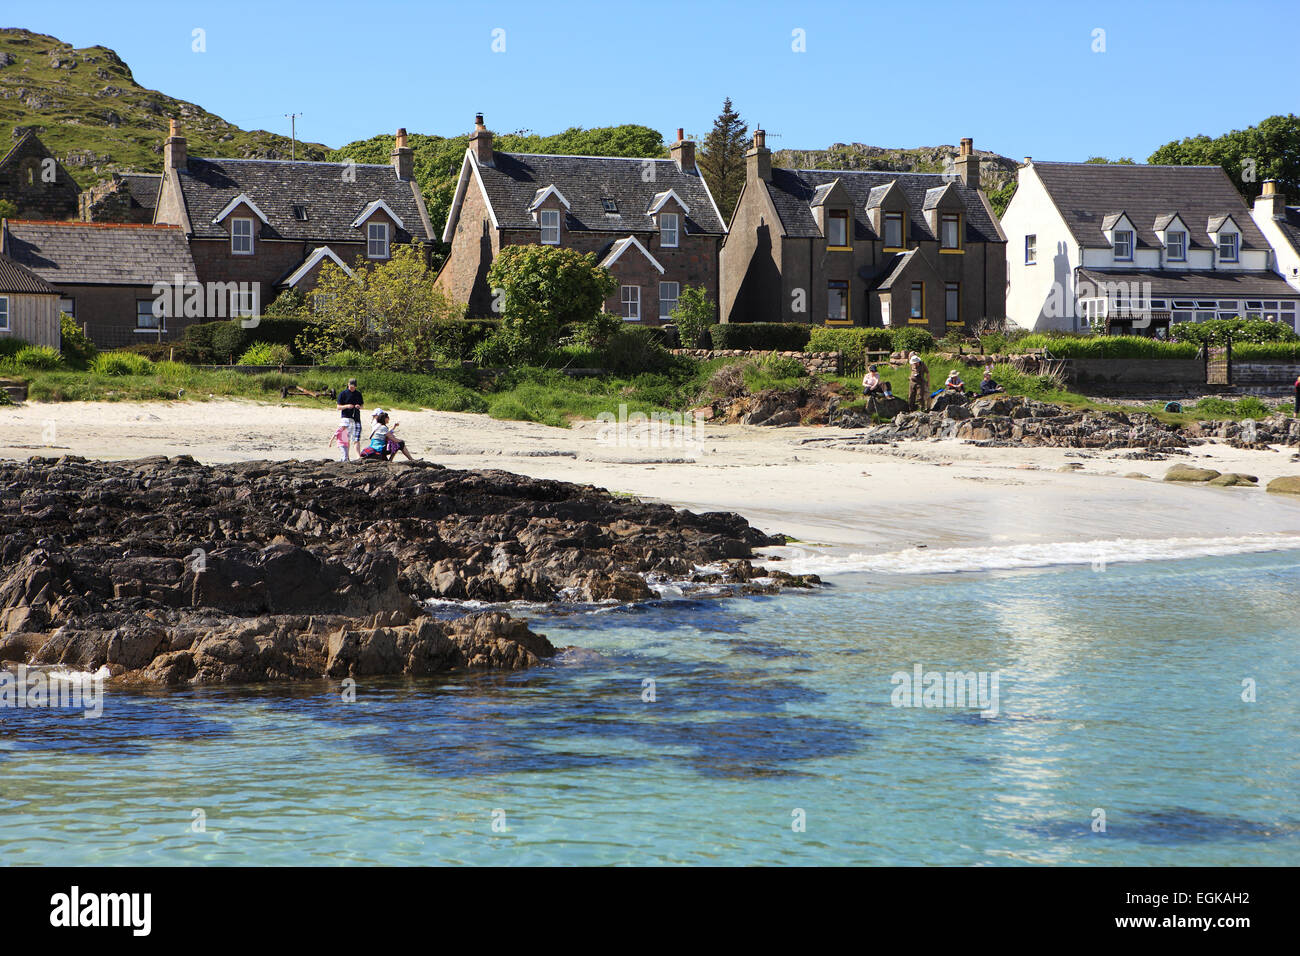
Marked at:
<point>89,111</point>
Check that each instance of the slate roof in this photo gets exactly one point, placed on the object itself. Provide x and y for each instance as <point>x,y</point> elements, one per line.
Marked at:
<point>332,199</point>
<point>1200,283</point>
<point>143,188</point>
<point>1085,193</point>
<point>94,253</point>
<point>514,179</point>
<point>793,189</point>
<point>1290,226</point>
<point>16,279</point>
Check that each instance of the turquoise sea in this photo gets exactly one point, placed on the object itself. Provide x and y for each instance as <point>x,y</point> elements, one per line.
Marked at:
<point>771,738</point>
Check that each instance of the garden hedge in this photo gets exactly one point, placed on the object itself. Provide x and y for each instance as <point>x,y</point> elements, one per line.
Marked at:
<point>761,336</point>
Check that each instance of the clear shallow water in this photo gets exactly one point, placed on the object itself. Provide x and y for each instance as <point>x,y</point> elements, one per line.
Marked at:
<point>1118,690</point>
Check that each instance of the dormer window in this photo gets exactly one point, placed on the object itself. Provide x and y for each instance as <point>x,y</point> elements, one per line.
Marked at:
<point>241,237</point>
<point>550,220</point>
<point>610,206</point>
<point>950,231</point>
<point>668,230</point>
<point>1176,246</point>
<point>893,230</point>
<point>300,213</point>
<point>1228,246</point>
<point>377,240</point>
<point>1124,245</point>
<point>837,229</point>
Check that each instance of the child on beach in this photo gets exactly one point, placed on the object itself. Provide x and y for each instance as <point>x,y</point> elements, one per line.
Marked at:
<point>343,438</point>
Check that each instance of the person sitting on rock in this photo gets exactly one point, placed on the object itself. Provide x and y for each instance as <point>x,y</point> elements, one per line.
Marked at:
<point>383,443</point>
<point>987,385</point>
<point>871,382</point>
<point>886,390</point>
<point>954,382</point>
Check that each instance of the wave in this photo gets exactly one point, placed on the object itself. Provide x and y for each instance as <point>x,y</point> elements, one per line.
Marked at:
<point>1013,557</point>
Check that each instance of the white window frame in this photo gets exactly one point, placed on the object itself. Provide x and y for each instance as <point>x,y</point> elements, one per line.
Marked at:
<point>161,320</point>
<point>1031,249</point>
<point>668,226</point>
<point>630,303</point>
<point>371,238</point>
<point>1127,241</point>
<point>1235,240</point>
<point>946,220</point>
<point>236,235</point>
<point>1181,255</point>
<point>71,300</point>
<point>4,313</point>
<point>665,314</point>
<point>891,218</point>
<point>549,219</point>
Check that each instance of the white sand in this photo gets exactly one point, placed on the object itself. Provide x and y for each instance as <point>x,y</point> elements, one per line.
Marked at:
<point>869,498</point>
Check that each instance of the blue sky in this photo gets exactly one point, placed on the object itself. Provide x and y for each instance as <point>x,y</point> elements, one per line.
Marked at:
<point>1021,78</point>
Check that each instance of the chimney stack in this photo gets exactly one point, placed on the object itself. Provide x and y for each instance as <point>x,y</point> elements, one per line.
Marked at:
<point>968,164</point>
<point>174,149</point>
<point>403,157</point>
<point>1270,201</point>
<point>683,152</point>
<point>481,141</point>
<point>758,161</point>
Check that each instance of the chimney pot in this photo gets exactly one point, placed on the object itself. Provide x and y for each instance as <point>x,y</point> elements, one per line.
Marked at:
<point>403,156</point>
<point>1269,187</point>
<point>758,161</point>
<point>1028,160</point>
<point>481,142</point>
<point>683,152</point>
<point>175,153</point>
<point>680,135</point>
<point>967,146</point>
<point>478,121</point>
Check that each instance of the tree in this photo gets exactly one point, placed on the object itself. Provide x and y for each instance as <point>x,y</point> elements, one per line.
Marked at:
<point>1268,150</point>
<point>1122,161</point>
<point>390,309</point>
<point>693,315</point>
<point>541,289</point>
<point>722,159</point>
<point>1000,198</point>
<point>8,209</point>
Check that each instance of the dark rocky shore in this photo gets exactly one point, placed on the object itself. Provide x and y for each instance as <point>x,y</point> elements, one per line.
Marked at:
<point>166,570</point>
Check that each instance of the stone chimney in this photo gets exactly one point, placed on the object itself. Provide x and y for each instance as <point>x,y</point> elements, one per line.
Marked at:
<point>683,152</point>
<point>968,164</point>
<point>758,161</point>
<point>174,149</point>
<point>403,157</point>
<point>1270,201</point>
<point>481,141</point>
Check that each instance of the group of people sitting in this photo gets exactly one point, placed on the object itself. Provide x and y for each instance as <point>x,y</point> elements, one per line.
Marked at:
<point>382,444</point>
<point>919,394</point>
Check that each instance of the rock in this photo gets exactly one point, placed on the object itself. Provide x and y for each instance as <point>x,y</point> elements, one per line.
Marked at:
<point>1285,485</point>
<point>956,412</point>
<point>1230,479</point>
<point>1182,472</point>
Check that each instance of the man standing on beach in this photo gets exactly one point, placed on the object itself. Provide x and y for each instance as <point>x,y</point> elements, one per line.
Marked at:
<point>350,404</point>
<point>918,384</point>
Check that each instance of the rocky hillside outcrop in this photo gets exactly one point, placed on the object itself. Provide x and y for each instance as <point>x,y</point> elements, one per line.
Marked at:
<point>165,569</point>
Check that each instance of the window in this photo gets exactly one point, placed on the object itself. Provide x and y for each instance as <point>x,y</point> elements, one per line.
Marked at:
<point>837,302</point>
<point>550,219</point>
<point>4,313</point>
<point>1176,244</point>
<point>1228,246</point>
<point>837,230</point>
<point>1031,250</point>
<point>68,307</point>
<point>918,301</point>
<point>1123,244</point>
<point>950,231</point>
<point>241,237</point>
<point>610,205</point>
<point>668,230</point>
<point>667,300</point>
<point>144,316</point>
<point>893,230</point>
<point>300,213</point>
<point>377,240</point>
<point>952,303</point>
<point>631,298</point>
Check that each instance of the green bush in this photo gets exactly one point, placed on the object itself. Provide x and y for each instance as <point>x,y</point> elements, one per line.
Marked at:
<point>278,330</point>
<point>1222,331</point>
<point>596,331</point>
<point>229,339</point>
<point>1266,352</point>
<point>38,357</point>
<point>761,336</point>
<point>121,363</point>
<point>77,349</point>
<point>11,347</point>
<point>1109,346</point>
<point>349,358</point>
<point>197,340</point>
<point>457,341</point>
<point>1248,407</point>
<point>854,343</point>
<point>912,340</point>
<point>155,351</point>
<point>267,353</point>
<point>776,366</point>
<point>693,316</point>
<point>633,350</point>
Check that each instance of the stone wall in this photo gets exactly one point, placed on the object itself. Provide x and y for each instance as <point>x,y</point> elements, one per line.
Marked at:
<point>1265,373</point>
<point>1135,373</point>
<point>817,363</point>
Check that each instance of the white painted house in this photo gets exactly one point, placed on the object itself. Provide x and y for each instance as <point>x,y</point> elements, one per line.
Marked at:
<point>1280,225</point>
<point>1123,248</point>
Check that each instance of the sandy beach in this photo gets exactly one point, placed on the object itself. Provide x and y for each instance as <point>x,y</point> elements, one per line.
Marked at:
<point>810,483</point>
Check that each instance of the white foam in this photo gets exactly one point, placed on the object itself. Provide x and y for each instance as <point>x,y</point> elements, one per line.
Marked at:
<point>61,672</point>
<point>1016,556</point>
